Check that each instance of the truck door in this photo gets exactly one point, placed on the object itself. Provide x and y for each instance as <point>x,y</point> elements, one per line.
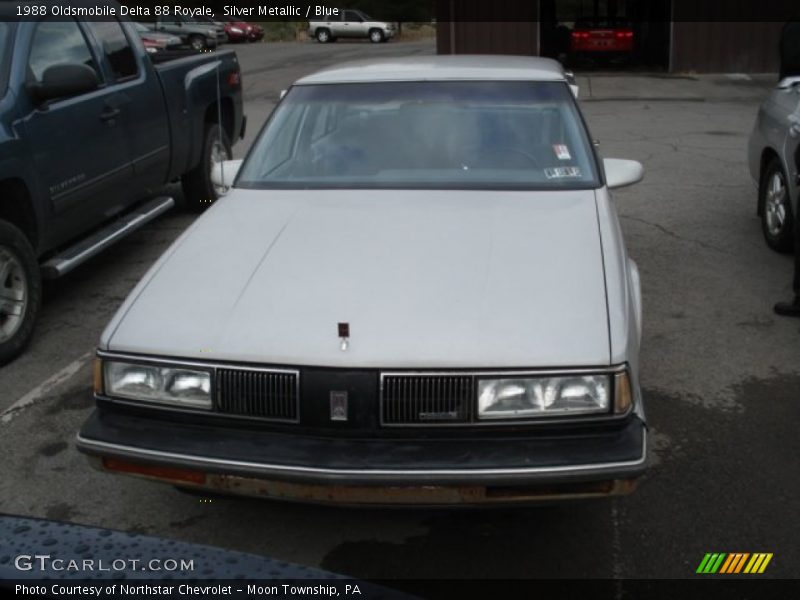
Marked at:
<point>335,24</point>
<point>78,146</point>
<point>143,114</point>
<point>353,25</point>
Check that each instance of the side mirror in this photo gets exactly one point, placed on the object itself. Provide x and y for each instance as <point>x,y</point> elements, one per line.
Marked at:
<point>283,93</point>
<point>620,173</point>
<point>224,173</point>
<point>61,81</point>
<point>573,85</point>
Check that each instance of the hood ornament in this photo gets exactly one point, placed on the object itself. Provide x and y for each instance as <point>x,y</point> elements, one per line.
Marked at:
<point>344,335</point>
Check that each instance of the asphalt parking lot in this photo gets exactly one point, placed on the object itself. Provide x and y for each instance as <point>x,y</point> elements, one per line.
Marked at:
<point>719,371</point>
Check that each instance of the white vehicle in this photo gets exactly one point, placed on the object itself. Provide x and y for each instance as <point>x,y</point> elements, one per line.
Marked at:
<point>351,24</point>
<point>416,291</point>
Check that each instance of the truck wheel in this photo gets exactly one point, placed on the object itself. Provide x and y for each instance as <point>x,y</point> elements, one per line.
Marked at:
<point>198,190</point>
<point>323,35</point>
<point>20,291</point>
<point>197,42</point>
<point>776,208</point>
<point>376,36</point>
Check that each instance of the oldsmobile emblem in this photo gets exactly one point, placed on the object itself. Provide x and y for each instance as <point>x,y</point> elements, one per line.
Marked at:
<point>338,406</point>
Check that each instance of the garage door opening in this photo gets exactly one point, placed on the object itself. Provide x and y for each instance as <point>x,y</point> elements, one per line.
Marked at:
<point>607,34</point>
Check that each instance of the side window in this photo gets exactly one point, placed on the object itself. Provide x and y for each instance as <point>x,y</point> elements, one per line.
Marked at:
<point>352,16</point>
<point>58,43</point>
<point>116,48</point>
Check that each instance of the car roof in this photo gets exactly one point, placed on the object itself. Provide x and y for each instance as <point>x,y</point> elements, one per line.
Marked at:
<point>441,68</point>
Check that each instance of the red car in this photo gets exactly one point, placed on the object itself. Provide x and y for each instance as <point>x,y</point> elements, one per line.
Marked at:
<point>241,31</point>
<point>602,38</point>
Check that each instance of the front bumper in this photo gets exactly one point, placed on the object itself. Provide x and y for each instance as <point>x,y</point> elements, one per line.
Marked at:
<point>418,470</point>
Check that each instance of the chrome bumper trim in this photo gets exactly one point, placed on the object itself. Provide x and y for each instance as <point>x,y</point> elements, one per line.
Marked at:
<point>94,447</point>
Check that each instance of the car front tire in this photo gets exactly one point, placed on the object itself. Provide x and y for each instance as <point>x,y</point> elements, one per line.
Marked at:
<point>323,36</point>
<point>777,220</point>
<point>20,291</point>
<point>199,191</point>
<point>376,36</point>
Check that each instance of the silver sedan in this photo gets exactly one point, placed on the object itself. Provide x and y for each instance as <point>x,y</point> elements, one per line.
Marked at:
<point>774,159</point>
<point>415,292</point>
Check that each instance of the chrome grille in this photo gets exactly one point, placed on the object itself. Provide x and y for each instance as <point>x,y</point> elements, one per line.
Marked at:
<point>269,395</point>
<point>421,399</point>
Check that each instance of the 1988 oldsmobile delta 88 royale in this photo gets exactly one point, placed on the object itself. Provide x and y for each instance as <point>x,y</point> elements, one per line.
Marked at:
<point>416,291</point>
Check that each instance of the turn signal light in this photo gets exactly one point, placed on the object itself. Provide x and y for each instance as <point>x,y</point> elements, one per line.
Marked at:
<point>97,375</point>
<point>623,394</point>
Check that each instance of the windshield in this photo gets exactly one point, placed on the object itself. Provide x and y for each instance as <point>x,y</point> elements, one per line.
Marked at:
<point>602,24</point>
<point>459,134</point>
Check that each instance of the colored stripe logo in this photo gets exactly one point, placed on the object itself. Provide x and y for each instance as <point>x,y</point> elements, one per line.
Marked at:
<point>734,563</point>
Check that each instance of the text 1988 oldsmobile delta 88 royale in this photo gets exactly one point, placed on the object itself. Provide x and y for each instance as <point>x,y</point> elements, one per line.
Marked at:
<point>416,292</point>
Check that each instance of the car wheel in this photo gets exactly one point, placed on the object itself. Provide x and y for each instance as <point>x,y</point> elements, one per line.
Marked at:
<point>323,36</point>
<point>20,291</point>
<point>777,221</point>
<point>198,190</point>
<point>376,36</point>
<point>197,42</point>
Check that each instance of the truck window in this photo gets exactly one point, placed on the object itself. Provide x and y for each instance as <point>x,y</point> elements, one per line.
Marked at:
<point>116,48</point>
<point>58,43</point>
<point>5,55</point>
<point>352,16</point>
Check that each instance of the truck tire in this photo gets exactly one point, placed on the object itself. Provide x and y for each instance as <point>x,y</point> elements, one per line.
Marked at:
<point>376,36</point>
<point>20,291</point>
<point>323,35</point>
<point>198,191</point>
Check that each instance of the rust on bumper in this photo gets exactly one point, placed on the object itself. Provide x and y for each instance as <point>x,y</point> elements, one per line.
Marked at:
<point>375,495</point>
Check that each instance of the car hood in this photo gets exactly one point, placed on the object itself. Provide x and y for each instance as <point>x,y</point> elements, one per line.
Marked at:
<point>424,279</point>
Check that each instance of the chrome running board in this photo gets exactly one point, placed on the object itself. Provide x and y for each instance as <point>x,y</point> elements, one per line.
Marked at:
<point>88,247</point>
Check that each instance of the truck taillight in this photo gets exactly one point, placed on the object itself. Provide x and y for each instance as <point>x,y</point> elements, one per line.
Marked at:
<point>624,34</point>
<point>234,79</point>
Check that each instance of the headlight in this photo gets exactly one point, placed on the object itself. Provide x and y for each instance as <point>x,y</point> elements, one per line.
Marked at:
<point>527,397</point>
<point>152,383</point>
<point>236,30</point>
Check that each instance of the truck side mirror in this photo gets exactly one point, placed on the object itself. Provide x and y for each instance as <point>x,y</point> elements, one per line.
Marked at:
<point>61,81</point>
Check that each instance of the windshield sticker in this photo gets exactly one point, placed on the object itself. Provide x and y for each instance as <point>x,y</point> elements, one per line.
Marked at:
<point>562,152</point>
<point>562,172</point>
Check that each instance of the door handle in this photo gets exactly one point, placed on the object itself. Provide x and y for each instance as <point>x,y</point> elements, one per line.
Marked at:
<point>109,114</point>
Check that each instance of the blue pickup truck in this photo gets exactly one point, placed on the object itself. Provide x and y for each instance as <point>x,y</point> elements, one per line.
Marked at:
<point>91,130</point>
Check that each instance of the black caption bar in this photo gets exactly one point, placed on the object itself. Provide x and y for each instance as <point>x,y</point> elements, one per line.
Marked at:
<point>550,11</point>
<point>658,589</point>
